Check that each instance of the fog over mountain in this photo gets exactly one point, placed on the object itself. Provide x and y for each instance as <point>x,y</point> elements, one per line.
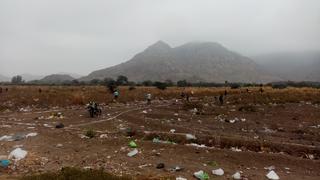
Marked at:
<point>79,36</point>
<point>195,62</point>
<point>291,66</point>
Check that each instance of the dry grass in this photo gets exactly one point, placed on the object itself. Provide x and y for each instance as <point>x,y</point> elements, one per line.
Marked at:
<point>21,96</point>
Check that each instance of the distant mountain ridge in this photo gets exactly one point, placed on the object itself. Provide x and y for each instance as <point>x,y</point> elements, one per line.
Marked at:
<point>292,66</point>
<point>196,61</point>
<point>56,78</point>
<point>4,78</point>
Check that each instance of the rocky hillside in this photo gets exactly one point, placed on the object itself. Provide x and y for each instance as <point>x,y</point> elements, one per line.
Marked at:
<point>56,79</point>
<point>209,62</point>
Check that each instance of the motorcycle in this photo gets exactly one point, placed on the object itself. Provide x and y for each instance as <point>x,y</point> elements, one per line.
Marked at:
<point>94,110</point>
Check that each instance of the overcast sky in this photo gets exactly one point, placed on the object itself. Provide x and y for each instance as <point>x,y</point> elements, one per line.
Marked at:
<point>79,36</point>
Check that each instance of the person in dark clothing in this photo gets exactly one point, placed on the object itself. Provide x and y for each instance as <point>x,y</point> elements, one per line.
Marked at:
<point>0,90</point>
<point>261,90</point>
<point>7,89</point>
<point>225,92</point>
<point>40,90</point>
<point>221,99</point>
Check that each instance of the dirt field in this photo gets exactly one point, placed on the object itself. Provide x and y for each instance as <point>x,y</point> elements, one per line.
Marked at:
<point>250,133</point>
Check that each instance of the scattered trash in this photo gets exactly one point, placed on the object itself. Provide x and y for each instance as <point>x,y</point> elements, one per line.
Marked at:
<point>132,144</point>
<point>59,145</point>
<point>235,149</point>
<point>270,168</point>
<point>197,145</point>
<point>31,135</point>
<point>176,169</point>
<point>180,178</point>
<point>157,140</point>
<point>4,163</point>
<point>172,130</point>
<point>160,166</point>
<point>213,163</point>
<point>201,175</point>
<point>59,126</point>
<point>190,137</point>
<point>133,153</point>
<point>218,172</point>
<point>144,165</point>
<point>18,154</point>
<point>103,136</point>
<point>130,132</point>
<point>237,175</point>
<point>145,112</point>
<point>272,175</point>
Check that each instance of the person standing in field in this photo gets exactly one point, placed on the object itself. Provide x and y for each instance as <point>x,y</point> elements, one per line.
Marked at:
<point>115,95</point>
<point>148,97</point>
<point>0,90</point>
<point>221,99</point>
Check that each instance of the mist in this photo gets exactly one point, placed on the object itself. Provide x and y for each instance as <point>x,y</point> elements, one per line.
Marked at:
<point>78,36</point>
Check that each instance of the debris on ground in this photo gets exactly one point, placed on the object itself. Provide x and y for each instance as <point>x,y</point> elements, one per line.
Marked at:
<point>157,140</point>
<point>4,163</point>
<point>31,134</point>
<point>218,172</point>
<point>180,178</point>
<point>133,153</point>
<point>272,175</point>
<point>17,154</point>
<point>236,175</point>
<point>190,137</point>
<point>132,144</point>
<point>197,145</point>
<point>160,166</point>
<point>59,126</point>
<point>201,175</point>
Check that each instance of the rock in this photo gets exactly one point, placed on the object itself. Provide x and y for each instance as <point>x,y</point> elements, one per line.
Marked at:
<point>237,175</point>
<point>272,175</point>
<point>59,126</point>
<point>160,166</point>
<point>218,172</point>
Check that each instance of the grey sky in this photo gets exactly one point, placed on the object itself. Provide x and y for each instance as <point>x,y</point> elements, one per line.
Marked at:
<point>79,36</point>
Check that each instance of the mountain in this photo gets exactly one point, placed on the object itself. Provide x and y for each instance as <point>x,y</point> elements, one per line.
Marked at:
<point>196,61</point>
<point>292,66</point>
<point>30,77</point>
<point>4,78</point>
<point>56,79</point>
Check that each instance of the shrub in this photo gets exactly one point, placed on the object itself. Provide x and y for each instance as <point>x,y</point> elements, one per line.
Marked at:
<point>90,133</point>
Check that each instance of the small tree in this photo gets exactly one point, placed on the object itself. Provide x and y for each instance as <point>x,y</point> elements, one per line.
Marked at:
<point>111,84</point>
<point>182,83</point>
<point>147,83</point>
<point>16,79</point>
<point>160,85</point>
<point>122,80</point>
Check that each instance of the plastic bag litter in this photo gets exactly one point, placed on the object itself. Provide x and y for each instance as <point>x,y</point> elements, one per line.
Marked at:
<point>132,144</point>
<point>133,153</point>
<point>17,154</point>
<point>236,175</point>
<point>201,175</point>
<point>181,178</point>
<point>218,172</point>
<point>272,175</point>
<point>31,135</point>
<point>190,137</point>
<point>4,163</point>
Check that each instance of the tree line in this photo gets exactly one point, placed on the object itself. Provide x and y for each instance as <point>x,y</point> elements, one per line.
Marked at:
<point>124,81</point>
